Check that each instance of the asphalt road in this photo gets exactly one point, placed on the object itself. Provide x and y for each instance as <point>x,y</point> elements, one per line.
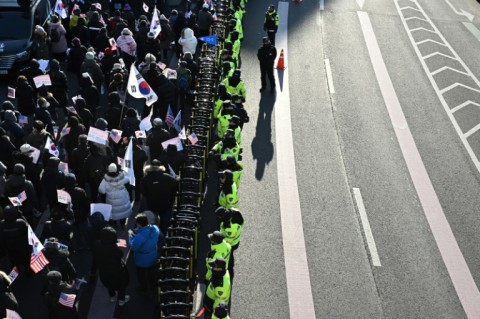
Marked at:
<point>343,139</point>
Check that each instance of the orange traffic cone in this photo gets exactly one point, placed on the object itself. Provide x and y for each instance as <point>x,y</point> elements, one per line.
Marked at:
<point>280,63</point>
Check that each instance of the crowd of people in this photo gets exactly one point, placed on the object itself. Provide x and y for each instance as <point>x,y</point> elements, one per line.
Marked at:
<point>55,172</point>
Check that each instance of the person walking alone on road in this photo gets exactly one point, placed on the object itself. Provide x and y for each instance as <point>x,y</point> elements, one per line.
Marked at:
<point>272,20</point>
<point>267,54</point>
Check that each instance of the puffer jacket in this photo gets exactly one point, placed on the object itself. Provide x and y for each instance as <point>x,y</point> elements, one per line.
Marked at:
<point>188,41</point>
<point>144,245</point>
<point>116,195</point>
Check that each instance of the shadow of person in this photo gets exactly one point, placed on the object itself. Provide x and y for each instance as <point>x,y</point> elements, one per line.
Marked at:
<point>262,146</point>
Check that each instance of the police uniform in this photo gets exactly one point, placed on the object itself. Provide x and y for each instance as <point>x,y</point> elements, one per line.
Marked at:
<point>272,20</point>
<point>266,55</point>
<point>219,288</point>
<point>219,248</point>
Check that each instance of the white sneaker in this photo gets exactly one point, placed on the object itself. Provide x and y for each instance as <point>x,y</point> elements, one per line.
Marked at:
<point>113,299</point>
<point>124,301</point>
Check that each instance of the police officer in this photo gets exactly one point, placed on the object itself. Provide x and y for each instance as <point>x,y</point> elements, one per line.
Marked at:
<point>219,248</point>
<point>267,54</point>
<point>219,287</point>
<point>233,165</point>
<point>227,146</point>
<point>235,84</point>
<point>231,226</point>
<point>228,196</point>
<point>272,20</point>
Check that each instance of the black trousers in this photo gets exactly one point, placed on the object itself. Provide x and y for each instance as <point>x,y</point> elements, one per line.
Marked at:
<point>267,70</point>
<point>271,37</point>
<point>146,278</point>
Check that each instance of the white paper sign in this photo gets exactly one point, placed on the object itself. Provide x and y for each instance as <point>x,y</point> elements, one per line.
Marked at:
<point>11,93</point>
<point>35,155</point>
<point>146,124</point>
<point>63,197</point>
<point>63,167</point>
<point>12,314</point>
<point>173,141</point>
<point>42,80</point>
<point>97,136</point>
<point>105,209</point>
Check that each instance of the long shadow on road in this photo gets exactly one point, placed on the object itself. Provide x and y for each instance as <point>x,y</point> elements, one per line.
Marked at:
<point>262,146</point>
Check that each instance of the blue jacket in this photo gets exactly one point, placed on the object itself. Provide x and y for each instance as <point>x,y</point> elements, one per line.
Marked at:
<point>144,245</point>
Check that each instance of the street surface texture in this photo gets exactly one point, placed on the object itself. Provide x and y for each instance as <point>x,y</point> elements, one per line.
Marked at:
<point>365,160</point>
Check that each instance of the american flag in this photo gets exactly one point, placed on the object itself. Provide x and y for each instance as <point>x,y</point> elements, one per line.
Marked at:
<point>68,300</point>
<point>38,262</point>
<point>71,109</point>
<point>13,274</point>
<point>169,119</point>
<point>22,196</point>
<point>193,138</point>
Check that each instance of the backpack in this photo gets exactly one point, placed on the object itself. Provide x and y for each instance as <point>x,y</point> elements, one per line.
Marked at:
<point>54,35</point>
<point>183,81</point>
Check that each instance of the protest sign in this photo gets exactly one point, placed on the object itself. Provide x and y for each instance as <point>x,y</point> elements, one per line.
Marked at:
<point>105,209</point>
<point>97,136</point>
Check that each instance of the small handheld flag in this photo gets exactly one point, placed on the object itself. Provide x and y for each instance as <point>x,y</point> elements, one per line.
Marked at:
<point>210,39</point>
<point>177,121</point>
<point>139,88</point>
<point>145,7</point>
<point>155,26</point>
<point>11,93</point>
<point>169,119</point>
<point>67,300</point>
<point>38,262</point>
<point>193,138</point>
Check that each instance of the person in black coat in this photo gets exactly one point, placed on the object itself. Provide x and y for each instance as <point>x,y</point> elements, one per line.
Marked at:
<point>71,139</point>
<point>79,154</point>
<point>102,40</point>
<point>159,189</point>
<point>167,95</point>
<point>17,183</point>
<point>52,179</point>
<point>53,104</point>
<point>59,87</point>
<point>81,211</point>
<point>112,268</point>
<point>94,27</point>
<point>81,31</point>
<point>97,223</point>
<point>116,111</point>
<point>94,169</point>
<point>6,150</point>
<point>32,173</point>
<point>130,123</point>
<point>173,158</point>
<point>32,71</point>
<point>12,128</point>
<point>156,137</point>
<point>55,287</point>
<point>60,225</point>
<point>152,46</point>
<point>7,298</point>
<point>89,93</point>
<point>84,113</point>
<point>75,56</point>
<point>43,114</point>
<point>14,239</point>
<point>25,96</point>
<point>59,259</point>
<point>139,159</point>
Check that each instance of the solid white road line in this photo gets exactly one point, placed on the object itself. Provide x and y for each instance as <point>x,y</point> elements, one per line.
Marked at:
<point>361,3</point>
<point>473,29</point>
<point>454,261</point>
<point>322,5</point>
<point>331,88</point>
<point>366,228</point>
<point>300,299</point>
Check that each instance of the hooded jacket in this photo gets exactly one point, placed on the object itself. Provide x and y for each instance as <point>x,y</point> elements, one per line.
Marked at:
<point>144,245</point>
<point>52,179</point>
<point>112,269</point>
<point>116,195</point>
<point>80,202</point>
<point>159,188</point>
<point>188,41</point>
